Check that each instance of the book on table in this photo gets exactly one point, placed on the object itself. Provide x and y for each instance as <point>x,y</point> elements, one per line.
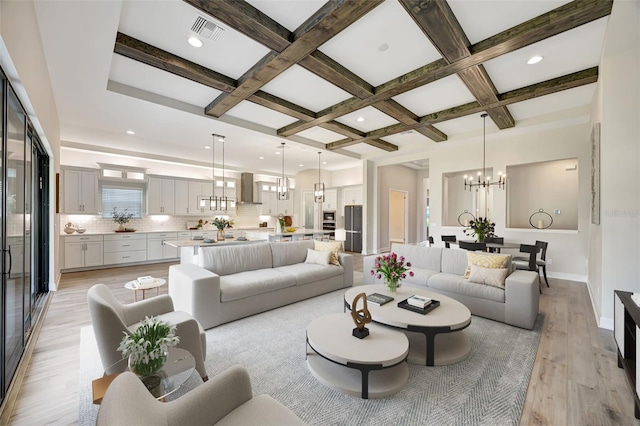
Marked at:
<point>378,299</point>
<point>419,301</point>
<point>142,282</point>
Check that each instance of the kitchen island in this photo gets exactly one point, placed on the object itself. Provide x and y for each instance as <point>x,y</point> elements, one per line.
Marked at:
<point>189,248</point>
<point>298,234</point>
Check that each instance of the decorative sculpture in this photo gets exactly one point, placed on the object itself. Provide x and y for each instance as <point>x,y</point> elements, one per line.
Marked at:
<point>361,317</point>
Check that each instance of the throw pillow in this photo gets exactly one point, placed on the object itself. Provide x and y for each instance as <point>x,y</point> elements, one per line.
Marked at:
<point>489,276</point>
<point>486,260</point>
<point>331,246</point>
<point>318,257</point>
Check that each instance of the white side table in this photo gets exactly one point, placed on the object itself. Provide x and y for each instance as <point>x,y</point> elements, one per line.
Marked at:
<point>159,282</point>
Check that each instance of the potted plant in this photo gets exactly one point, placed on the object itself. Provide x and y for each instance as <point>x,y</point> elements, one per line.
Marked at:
<point>147,347</point>
<point>480,228</point>
<point>220,223</point>
<point>392,268</point>
<point>121,218</point>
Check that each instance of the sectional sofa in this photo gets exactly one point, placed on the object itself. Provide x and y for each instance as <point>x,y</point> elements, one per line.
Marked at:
<point>232,282</point>
<point>442,270</point>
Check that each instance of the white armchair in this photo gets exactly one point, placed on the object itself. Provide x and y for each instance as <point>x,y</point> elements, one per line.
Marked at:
<point>111,319</point>
<point>226,399</point>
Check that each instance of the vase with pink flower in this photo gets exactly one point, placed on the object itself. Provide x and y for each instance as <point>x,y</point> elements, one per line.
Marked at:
<point>392,268</point>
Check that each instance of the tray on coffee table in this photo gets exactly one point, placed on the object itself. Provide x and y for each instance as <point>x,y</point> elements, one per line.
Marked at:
<point>405,305</point>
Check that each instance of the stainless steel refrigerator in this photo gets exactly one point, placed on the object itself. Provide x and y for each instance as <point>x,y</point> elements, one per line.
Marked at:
<point>353,226</point>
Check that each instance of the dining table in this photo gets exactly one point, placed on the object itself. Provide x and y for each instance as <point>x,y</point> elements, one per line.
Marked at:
<point>497,247</point>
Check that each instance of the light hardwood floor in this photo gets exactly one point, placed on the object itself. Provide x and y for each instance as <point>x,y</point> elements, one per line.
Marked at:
<point>575,378</point>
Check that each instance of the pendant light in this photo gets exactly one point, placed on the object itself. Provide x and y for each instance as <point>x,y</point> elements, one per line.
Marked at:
<point>484,181</point>
<point>318,188</point>
<point>283,182</point>
<point>224,202</point>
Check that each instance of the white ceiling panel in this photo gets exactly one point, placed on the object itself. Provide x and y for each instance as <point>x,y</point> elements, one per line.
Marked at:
<point>407,138</point>
<point>481,19</point>
<point>563,54</point>
<point>465,124</point>
<point>437,96</point>
<point>167,25</point>
<point>320,134</point>
<point>360,47</point>
<point>141,76</point>
<point>555,102</point>
<point>258,114</point>
<point>373,119</point>
<point>306,89</point>
<point>362,148</point>
<point>288,13</point>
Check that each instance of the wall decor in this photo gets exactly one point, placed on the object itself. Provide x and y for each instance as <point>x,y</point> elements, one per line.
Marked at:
<point>595,174</point>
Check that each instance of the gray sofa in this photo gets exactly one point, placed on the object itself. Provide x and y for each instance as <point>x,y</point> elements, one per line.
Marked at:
<point>232,282</point>
<point>442,270</point>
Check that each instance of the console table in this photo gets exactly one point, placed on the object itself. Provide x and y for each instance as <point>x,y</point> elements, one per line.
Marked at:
<point>626,332</point>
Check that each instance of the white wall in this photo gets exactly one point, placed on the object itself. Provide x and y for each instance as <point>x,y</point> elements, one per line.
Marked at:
<point>619,104</point>
<point>22,58</point>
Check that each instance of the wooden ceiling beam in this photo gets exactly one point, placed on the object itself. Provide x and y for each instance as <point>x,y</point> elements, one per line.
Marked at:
<point>147,54</point>
<point>438,22</point>
<point>330,70</point>
<point>343,129</point>
<point>383,145</point>
<point>563,18</point>
<point>378,143</point>
<point>283,106</point>
<point>329,20</point>
<point>403,115</point>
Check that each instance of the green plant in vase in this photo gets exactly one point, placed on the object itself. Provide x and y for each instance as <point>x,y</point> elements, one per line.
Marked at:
<point>221,223</point>
<point>480,229</point>
<point>121,218</point>
<point>147,347</point>
<point>392,268</point>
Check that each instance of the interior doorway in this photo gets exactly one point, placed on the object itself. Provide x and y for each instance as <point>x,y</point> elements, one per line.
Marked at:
<point>310,209</point>
<point>398,226</point>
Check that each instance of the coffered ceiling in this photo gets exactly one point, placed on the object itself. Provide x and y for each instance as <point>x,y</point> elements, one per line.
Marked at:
<point>350,78</point>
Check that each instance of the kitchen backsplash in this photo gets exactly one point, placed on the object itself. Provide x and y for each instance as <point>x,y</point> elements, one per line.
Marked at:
<point>246,216</point>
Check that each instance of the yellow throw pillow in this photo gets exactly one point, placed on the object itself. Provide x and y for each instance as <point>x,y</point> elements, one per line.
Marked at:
<point>490,276</point>
<point>486,260</point>
<point>333,246</point>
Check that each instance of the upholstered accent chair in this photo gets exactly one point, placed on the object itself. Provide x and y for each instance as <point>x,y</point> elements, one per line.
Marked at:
<point>111,319</point>
<point>226,399</point>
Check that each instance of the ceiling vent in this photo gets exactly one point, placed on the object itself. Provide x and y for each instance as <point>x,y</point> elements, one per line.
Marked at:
<point>207,29</point>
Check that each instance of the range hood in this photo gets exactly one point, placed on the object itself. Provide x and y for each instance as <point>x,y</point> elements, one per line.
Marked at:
<point>246,189</point>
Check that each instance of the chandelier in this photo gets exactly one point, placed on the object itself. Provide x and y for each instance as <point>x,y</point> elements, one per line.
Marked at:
<point>318,188</point>
<point>283,182</point>
<point>484,181</point>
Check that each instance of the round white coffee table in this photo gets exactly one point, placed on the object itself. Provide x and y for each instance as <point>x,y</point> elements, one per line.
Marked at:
<point>435,338</point>
<point>373,367</point>
<point>131,285</point>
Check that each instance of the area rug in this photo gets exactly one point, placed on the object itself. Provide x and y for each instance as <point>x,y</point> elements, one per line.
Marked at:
<point>488,388</point>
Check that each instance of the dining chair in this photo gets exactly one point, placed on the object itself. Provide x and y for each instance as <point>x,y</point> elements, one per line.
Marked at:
<point>448,239</point>
<point>430,241</point>
<point>542,261</point>
<point>528,264</point>
<point>494,240</point>
<point>472,246</point>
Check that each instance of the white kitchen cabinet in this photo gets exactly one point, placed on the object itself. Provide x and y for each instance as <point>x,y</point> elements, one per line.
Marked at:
<point>82,251</point>
<point>181,201</point>
<point>330,199</point>
<point>125,248</point>
<point>285,206</point>
<point>80,191</point>
<point>157,249</point>
<point>352,196</point>
<point>160,196</point>
<point>197,190</point>
<point>229,192</point>
<point>269,203</point>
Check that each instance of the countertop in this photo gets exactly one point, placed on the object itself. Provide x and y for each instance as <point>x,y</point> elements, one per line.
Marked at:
<point>214,230</point>
<point>299,231</point>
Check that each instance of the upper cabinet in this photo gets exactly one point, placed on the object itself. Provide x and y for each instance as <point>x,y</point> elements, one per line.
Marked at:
<point>352,195</point>
<point>330,199</point>
<point>181,205</point>
<point>80,191</point>
<point>161,196</point>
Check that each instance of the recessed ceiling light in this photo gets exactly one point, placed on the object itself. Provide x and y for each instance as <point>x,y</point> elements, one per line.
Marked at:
<point>207,147</point>
<point>534,59</point>
<point>301,165</point>
<point>360,119</point>
<point>383,47</point>
<point>131,132</point>
<point>195,41</point>
<point>324,162</point>
<point>261,158</point>
<point>277,152</point>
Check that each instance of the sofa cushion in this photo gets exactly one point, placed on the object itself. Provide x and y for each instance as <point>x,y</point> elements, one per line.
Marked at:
<point>318,257</point>
<point>227,260</point>
<point>486,260</point>
<point>305,273</point>
<point>251,283</point>
<point>456,283</point>
<point>331,246</point>
<point>454,261</point>
<point>488,276</point>
<point>420,257</point>
<point>420,276</point>
<point>290,252</point>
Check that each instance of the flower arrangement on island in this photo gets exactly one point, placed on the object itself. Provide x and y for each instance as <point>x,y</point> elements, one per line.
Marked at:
<point>147,347</point>
<point>481,228</point>
<point>393,268</point>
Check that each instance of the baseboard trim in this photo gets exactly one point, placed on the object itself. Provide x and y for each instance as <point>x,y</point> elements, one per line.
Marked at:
<point>568,277</point>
